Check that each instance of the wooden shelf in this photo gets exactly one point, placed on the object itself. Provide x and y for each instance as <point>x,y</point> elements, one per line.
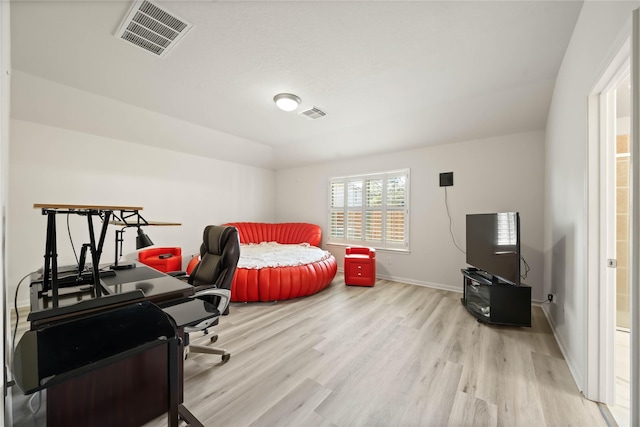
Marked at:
<point>86,207</point>
<point>155,223</point>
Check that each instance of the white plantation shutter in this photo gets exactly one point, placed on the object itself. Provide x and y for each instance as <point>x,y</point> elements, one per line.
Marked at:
<point>373,210</point>
<point>354,224</point>
<point>370,210</point>
<point>336,210</point>
<point>354,194</point>
<point>396,206</point>
<point>373,225</point>
<point>374,193</point>
<point>354,210</point>
<point>395,226</point>
<point>337,195</point>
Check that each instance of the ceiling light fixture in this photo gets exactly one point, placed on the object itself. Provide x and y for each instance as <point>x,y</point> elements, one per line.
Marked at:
<point>286,101</point>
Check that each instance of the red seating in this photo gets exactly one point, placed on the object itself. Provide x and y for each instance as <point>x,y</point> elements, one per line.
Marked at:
<point>162,259</point>
<point>360,266</point>
<point>281,283</point>
<point>285,233</point>
<point>192,264</point>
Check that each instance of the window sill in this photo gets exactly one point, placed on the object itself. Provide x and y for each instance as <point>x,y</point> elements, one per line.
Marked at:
<point>378,249</point>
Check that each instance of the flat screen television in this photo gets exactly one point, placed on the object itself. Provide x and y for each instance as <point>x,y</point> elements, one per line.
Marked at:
<point>493,245</point>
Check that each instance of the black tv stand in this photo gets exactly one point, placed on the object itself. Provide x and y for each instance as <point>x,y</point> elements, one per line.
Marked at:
<point>491,300</point>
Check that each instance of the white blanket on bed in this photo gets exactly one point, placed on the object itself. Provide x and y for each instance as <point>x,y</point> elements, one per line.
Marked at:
<point>272,254</point>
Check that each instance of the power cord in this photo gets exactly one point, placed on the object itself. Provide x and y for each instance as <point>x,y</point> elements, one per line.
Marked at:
<point>30,402</point>
<point>453,238</point>
<point>13,344</point>
<point>526,268</point>
<point>15,307</point>
<point>15,328</point>
<point>75,254</point>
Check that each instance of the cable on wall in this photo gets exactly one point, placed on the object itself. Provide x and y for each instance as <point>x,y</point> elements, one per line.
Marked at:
<point>526,268</point>
<point>15,306</point>
<point>71,240</point>
<point>453,238</point>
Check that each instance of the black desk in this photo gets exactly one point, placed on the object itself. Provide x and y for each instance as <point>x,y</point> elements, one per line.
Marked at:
<point>119,366</point>
<point>129,386</point>
<point>156,286</point>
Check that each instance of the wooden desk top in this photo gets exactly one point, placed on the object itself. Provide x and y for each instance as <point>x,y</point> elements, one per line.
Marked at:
<point>157,223</point>
<point>86,207</point>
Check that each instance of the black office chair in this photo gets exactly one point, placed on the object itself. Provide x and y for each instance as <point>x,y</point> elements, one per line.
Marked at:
<point>212,277</point>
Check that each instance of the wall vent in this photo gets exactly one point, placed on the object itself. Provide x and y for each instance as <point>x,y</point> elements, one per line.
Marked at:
<point>313,113</point>
<point>152,28</point>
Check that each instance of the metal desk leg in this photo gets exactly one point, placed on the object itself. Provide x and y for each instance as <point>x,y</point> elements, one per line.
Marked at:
<point>51,259</point>
<point>174,391</point>
<point>177,411</point>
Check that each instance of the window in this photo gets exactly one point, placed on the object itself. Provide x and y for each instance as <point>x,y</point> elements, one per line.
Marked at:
<point>370,210</point>
<point>506,226</point>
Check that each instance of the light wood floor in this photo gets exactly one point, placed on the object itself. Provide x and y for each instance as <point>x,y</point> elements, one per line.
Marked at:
<point>391,355</point>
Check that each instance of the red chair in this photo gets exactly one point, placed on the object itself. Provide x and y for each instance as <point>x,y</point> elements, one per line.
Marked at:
<point>360,266</point>
<point>192,264</point>
<point>162,259</point>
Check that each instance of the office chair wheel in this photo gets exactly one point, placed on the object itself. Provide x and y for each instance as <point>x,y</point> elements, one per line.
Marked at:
<point>225,358</point>
<point>214,338</point>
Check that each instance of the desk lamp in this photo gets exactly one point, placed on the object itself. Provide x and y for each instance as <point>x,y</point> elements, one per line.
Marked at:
<point>142,241</point>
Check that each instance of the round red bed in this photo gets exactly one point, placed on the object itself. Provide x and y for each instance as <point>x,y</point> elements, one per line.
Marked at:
<point>281,283</point>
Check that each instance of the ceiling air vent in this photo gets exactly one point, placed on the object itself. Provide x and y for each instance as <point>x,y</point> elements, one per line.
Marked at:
<point>313,113</point>
<point>152,28</point>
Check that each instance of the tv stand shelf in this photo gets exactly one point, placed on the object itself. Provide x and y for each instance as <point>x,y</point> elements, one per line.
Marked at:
<point>498,302</point>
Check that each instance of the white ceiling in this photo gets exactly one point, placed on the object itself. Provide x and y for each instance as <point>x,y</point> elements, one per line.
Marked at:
<point>390,75</point>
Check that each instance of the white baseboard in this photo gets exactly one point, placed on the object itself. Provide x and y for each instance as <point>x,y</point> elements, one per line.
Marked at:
<point>563,349</point>
<point>422,283</point>
<point>416,282</point>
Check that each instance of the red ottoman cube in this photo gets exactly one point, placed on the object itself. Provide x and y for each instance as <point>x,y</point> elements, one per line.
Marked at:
<point>360,266</point>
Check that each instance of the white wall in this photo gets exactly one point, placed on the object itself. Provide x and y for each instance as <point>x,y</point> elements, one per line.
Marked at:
<point>39,100</point>
<point>504,173</point>
<point>599,33</point>
<point>54,165</point>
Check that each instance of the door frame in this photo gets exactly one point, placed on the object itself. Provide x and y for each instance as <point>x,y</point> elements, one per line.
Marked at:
<point>599,316</point>
<point>600,313</point>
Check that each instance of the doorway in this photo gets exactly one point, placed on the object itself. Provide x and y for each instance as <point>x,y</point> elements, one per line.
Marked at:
<point>609,251</point>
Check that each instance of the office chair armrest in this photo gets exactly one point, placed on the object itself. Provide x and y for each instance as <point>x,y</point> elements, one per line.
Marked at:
<point>224,294</point>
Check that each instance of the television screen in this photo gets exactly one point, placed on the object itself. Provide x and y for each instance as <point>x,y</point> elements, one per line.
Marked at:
<point>493,244</point>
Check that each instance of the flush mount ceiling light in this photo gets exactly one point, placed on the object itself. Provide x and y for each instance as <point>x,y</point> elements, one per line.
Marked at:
<point>286,101</point>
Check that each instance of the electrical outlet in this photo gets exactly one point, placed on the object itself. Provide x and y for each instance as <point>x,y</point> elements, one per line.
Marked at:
<point>552,298</point>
